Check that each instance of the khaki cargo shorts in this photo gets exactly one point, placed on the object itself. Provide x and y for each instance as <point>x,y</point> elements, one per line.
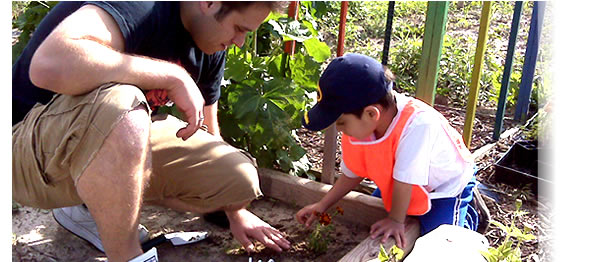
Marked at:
<point>55,142</point>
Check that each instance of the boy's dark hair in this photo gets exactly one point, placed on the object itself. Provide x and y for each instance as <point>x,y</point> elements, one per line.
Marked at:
<point>229,6</point>
<point>385,102</point>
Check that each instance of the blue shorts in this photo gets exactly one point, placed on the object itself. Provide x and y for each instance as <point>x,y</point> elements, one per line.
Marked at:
<point>452,210</point>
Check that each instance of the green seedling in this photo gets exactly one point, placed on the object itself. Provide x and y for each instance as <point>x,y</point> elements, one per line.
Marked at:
<point>394,255</point>
<point>506,251</point>
<point>318,241</point>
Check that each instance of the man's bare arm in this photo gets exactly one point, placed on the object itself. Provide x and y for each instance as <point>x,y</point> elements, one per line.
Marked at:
<point>86,50</point>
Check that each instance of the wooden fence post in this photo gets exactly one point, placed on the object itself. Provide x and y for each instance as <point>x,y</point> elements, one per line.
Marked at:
<point>330,146</point>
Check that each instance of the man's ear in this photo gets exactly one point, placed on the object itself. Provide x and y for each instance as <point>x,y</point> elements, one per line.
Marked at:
<point>371,112</point>
<point>209,7</point>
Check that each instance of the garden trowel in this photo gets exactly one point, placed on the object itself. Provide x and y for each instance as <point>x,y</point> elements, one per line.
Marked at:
<point>176,238</point>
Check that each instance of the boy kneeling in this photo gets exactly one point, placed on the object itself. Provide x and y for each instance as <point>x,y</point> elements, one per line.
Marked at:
<point>418,161</point>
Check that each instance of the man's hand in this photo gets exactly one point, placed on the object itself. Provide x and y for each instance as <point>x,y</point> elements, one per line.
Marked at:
<point>389,227</point>
<point>186,95</point>
<point>245,225</point>
<point>86,50</point>
<point>308,214</point>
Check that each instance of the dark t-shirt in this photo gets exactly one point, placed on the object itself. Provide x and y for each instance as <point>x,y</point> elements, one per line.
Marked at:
<point>152,29</point>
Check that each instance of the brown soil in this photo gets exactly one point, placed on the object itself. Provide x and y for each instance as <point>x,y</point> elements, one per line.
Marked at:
<point>37,237</point>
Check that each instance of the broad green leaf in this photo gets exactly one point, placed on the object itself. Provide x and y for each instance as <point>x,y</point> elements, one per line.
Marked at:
<point>236,67</point>
<point>515,232</point>
<point>499,225</point>
<point>296,31</point>
<point>527,237</point>
<point>311,27</point>
<point>290,29</point>
<point>274,67</point>
<point>317,49</point>
<point>306,72</point>
<point>301,166</point>
<point>297,152</point>
<point>382,254</point>
<point>247,103</point>
<point>396,252</point>
<point>490,257</point>
<point>284,161</point>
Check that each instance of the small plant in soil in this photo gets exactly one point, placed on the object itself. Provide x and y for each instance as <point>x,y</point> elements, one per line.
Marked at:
<point>318,241</point>
<point>506,251</point>
<point>394,255</point>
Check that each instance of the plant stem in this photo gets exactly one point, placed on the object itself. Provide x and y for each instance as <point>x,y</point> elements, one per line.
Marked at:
<point>254,42</point>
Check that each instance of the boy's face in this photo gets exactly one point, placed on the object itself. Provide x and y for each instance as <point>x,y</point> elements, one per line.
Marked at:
<point>359,128</point>
<point>211,35</point>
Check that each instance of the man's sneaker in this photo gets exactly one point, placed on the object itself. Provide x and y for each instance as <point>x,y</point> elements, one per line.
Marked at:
<point>79,221</point>
<point>149,256</point>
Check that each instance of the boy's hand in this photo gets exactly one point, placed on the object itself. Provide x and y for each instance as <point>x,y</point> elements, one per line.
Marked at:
<point>307,214</point>
<point>389,227</point>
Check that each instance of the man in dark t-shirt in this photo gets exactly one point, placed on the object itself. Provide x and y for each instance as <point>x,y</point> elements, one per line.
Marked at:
<point>83,133</point>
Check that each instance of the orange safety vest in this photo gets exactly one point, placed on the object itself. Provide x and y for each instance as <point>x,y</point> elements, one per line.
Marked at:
<point>376,161</point>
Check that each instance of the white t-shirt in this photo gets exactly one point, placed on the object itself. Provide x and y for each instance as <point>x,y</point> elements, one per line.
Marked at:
<point>425,155</point>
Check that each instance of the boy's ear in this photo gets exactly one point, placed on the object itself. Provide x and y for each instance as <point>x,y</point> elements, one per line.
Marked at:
<point>371,112</point>
<point>209,7</point>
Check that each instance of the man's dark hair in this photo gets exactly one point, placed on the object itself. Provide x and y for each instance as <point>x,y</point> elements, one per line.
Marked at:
<point>386,101</point>
<point>229,6</point>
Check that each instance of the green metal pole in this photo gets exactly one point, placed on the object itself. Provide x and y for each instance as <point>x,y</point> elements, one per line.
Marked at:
<point>432,43</point>
<point>507,71</point>
<point>478,62</point>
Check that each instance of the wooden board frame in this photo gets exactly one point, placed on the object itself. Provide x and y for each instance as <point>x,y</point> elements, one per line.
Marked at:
<point>301,192</point>
<point>358,208</point>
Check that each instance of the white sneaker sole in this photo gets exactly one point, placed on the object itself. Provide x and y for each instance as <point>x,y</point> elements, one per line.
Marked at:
<point>85,234</point>
<point>76,229</point>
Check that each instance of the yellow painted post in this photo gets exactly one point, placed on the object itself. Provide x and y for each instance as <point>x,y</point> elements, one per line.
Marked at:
<point>478,62</point>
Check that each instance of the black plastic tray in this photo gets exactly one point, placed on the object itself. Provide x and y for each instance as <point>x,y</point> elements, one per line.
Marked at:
<point>519,166</point>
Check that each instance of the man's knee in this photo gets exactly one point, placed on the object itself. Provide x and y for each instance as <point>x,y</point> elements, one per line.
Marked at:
<point>121,123</point>
<point>73,128</point>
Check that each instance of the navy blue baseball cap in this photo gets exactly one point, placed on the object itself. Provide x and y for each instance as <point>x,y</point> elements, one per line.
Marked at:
<point>349,83</point>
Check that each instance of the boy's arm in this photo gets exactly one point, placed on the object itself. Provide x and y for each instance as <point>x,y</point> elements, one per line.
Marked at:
<point>341,187</point>
<point>400,201</point>
<point>394,223</point>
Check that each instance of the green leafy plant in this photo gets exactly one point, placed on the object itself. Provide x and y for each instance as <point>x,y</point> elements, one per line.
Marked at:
<point>539,128</point>
<point>506,251</point>
<point>318,240</point>
<point>26,21</point>
<point>265,96</point>
<point>394,255</point>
